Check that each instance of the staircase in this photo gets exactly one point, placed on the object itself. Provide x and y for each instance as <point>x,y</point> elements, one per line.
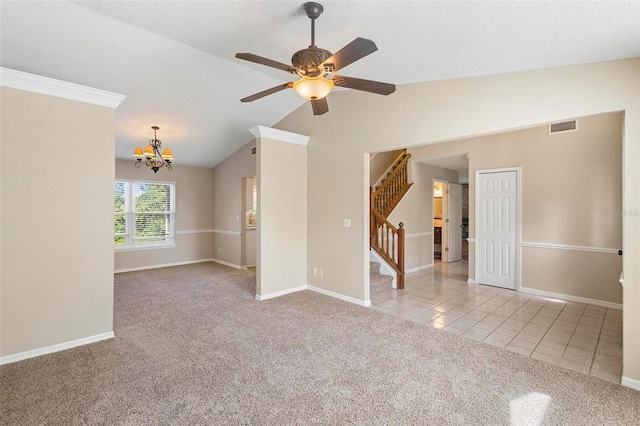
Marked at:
<point>386,239</point>
<point>378,282</point>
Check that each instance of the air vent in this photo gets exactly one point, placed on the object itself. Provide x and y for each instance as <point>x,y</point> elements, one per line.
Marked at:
<point>253,150</point>
<point>565,126</point>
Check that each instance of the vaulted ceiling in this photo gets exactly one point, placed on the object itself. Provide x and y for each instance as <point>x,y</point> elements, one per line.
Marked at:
<point>174,60</point>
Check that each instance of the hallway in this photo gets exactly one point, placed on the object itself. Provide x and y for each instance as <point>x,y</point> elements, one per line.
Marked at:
<point>583,338</point>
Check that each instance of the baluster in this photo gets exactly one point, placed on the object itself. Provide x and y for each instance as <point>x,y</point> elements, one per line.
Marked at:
<point>393,246</point>
<point>395,187</point>
<point>387,251</point>
<point>384,241</point>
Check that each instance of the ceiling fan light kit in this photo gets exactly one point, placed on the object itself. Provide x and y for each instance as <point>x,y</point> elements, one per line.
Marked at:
<point>314,65</point>
<point>313,88</point>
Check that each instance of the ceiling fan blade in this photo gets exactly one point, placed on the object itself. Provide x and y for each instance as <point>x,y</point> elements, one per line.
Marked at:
<point>267,92</point>
<point>265,61</point>
<point>320,106</point>
<point>364,85</point>
<point>357,49</point>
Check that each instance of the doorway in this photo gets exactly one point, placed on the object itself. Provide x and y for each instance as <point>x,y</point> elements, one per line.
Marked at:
<point>448,221</point>
<point>250,223</point>
<point>438,193</point>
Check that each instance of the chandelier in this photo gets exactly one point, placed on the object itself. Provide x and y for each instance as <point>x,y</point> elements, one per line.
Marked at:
<point>152,156</point>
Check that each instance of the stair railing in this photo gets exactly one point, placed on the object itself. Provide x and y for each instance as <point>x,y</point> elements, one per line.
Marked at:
<point>388,242</point>
<point>385,238</point>
<point>387,172</point>
<point>387,196</point>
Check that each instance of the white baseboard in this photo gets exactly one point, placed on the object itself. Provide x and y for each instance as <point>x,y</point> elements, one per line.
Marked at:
<point>471,281</point>
<point>570,298</point>
<point>359,302</point>
<point>418,268</point>
<point>162,265</point>
<point>630,383</point>
<point>232,265</point>
<point>280,293</point>
<point>365,303</point>
<point>55,348</point>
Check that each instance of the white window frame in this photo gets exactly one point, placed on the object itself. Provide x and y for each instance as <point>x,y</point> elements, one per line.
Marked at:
<point>138,244</point>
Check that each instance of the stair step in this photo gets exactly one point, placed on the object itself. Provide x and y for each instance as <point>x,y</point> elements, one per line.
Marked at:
<point>377,281</point>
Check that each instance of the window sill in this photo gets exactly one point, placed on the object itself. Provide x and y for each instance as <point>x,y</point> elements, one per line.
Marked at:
<point>144,247</point>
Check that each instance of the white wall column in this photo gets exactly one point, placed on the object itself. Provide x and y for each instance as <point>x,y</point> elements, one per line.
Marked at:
<point>281,170</point>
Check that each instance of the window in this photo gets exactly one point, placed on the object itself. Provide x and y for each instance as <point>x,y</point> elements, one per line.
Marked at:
<point>144,214</point>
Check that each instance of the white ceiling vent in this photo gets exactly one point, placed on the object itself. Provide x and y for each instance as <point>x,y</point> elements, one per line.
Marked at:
<point>253,150</point>
<point>565,126</point>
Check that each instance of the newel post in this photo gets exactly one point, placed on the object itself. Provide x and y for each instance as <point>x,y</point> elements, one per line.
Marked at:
<point>401,256</point>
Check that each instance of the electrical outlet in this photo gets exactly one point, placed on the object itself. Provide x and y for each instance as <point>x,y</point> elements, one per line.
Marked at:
<point>321,272</point>
<point>219,250</point>
<point>347,223</point>
<point>314,271</point>
<point>237,217</point>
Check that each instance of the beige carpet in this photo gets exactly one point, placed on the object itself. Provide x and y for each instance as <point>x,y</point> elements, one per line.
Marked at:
<point>193,346</point>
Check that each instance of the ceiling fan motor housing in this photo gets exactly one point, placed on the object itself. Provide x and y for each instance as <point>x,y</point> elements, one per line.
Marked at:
<point>310,59</point>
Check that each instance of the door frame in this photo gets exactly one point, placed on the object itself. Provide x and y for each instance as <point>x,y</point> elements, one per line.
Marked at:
<point>476,215</point>
<point>449,227</point>
<point>433,212</point>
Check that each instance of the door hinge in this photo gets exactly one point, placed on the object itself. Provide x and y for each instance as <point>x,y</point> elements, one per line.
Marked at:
<point>446,220</point>
<point>446,192</point>
<point>446,249</point>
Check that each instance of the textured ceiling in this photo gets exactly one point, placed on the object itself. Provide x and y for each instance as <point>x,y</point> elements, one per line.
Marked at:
<point>175,60</point>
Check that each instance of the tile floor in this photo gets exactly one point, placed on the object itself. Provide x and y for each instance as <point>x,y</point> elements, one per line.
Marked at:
<point>576,336</point>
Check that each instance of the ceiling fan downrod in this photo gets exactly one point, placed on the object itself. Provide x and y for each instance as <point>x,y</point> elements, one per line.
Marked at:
<point>313,11</point>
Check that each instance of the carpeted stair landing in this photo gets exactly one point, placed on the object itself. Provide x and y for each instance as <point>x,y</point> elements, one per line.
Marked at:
<point>377,281</point>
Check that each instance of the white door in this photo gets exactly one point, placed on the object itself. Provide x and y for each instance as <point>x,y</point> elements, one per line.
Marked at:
<point>454,222</point>
<point>497,228</point>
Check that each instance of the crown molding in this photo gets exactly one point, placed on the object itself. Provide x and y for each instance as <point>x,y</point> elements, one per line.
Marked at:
<point>61,89</point>
<point>279,135</point>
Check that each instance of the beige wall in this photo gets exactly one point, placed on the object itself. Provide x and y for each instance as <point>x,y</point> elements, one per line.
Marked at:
<point>228,212</point>
<point>57,221</point>
<point>585,274</point>
<point>425,113</point>
<point>379,164</point>
<point>415,212</point>
<point>194,212</point>
<point>282,216</point>
<point>250,248</point>
<point>569,181</point>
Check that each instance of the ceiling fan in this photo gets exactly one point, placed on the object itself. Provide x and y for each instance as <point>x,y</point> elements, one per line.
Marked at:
<point>314,65</point>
